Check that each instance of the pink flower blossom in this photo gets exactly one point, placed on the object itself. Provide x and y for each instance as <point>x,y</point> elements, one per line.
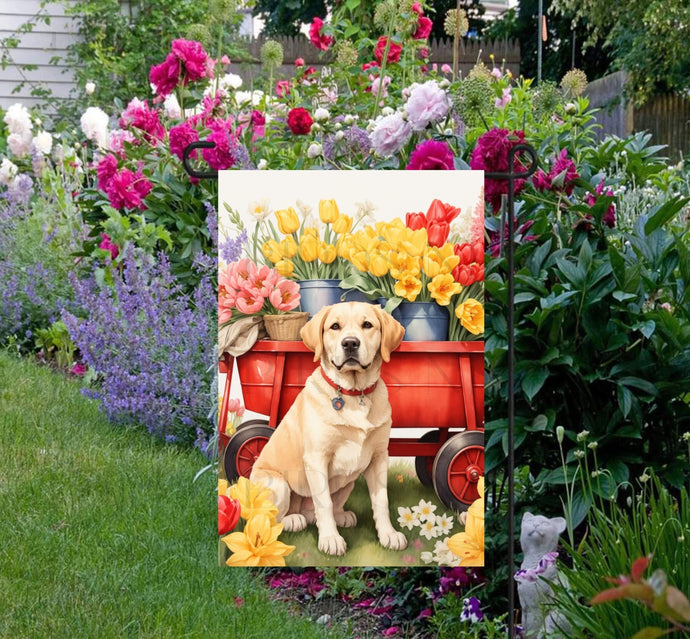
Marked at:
<point>79,369</point>
<point>561,177</point>
<point>496,72</point>
<point>390,632</point>
<point>224,312</point>
<point>140,116</point>
<point>188,60</point>
<point>609,218</point>
<point>299,62</point>
<point>237,275</point>
<point>417,8</point>
<point>446,68</point>
<point>180,137</point>
<point>105,171</point>
<point>428,103</point>
<point>322,42</point>
<point>220,157</point>
<point>235,406</point>
<point>127,190</point>
<point>264,279</point>
<point>117,140</point>
<point>249,301</point>
<point>504,100</point>
<point>432,155</point>
<point>166,75</point>
<point>285,296</point>
<point>424,26</point>
<point>225,60</point>
<point>108,245</point>
<point>375,85</point>
<point>282,88</point>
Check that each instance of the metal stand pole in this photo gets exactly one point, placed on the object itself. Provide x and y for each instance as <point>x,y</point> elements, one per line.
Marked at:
<point>511,176</point>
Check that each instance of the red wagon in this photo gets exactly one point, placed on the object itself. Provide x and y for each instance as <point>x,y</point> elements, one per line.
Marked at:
<point>435,385</point>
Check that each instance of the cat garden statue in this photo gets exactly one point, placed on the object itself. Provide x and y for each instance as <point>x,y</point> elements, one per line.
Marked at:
<point>539,538</point>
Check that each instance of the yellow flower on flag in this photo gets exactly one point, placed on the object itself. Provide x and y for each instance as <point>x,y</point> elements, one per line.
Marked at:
<point>471,315</point>
<point>288,247</point>
<point>257,544</point>
<point>378,264</point>
<point>327,253</point>
<point>432,262</point>
<point>254,499</point>
<point>271,251</point>
<point>469,545</point>
<point>288,222</point>
<point>222,487</point>
<point>285,268</point>
<point>343,224</point>
<point>309,248</point>
<point>359,260</point>
<point>408,287</point>
<point>415,242</point>
<point>328,211</point>
<point>344,245</point>
<point>442,288</point>
<point>403,264</point>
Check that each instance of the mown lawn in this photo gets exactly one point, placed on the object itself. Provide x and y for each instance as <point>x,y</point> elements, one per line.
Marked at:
<point>104,534</point>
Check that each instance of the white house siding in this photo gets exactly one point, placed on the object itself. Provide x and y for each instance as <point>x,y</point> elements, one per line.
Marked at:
<point>38,47</point>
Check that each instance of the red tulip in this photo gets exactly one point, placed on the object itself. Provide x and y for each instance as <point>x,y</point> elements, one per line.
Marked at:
<point>465,252</point>
<point>228,514</point>
<point>415,221</point>
<point>478,248</point>
<point>440,212</point>
<point>438,233</point>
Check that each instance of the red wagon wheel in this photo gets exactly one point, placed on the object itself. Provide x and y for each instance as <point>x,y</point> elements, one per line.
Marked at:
<point>424,466</point>
<point>244,449</point>
<point>457,469</point>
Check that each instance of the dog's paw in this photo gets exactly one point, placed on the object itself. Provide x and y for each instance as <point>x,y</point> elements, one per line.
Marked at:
<point>332,544</point>
<point>393,539</point>
<point>346,519</point>
<point>294,522</point>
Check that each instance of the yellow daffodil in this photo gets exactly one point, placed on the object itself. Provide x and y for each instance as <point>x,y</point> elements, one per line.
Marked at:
<point>288,247</point>
<point>285,268</point>
<point>442,288</point>
<point>408,287</point>
<point>222,487</point>
<point>254,499</point>
<point>327,253</point>
<point>328,211</point>
<point>403,264</point>
<point>257,544</point>
<point>471,316</point>
<point>288,222</point>
<point>378,264</point>
<point>309,248</point>
<point>359,259</point>
<point>469,545</point>
<point>271,251</point>
<point>343,224</point>
<point>415,242</point>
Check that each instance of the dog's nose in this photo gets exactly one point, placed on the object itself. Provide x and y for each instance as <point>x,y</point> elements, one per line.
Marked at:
<point>350,345</point>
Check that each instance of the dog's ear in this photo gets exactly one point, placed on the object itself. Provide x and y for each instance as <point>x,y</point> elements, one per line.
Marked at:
<point>392,333</point>
<point>312,332</point>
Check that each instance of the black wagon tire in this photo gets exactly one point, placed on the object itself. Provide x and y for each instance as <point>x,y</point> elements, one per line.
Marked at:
<point>457,468</point>
<point>244,448</point>
<point>424,465</point>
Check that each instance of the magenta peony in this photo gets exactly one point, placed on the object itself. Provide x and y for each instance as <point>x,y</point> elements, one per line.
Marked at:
<point>140,116</point>
<point>108,245</point>
<point>105,171</point>
<point>221,156</point>
<point>320,41</point>
<point>431,155</point>
<point>188,61</point>
<point>127,190</point>
<point>181,136</point>
<point>166,75</point>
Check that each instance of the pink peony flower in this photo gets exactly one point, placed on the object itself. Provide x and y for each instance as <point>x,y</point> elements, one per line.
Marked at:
<point>180,137</point>
<point>322,42</point>
<point>221,156</point>
<point>118,138</point>
<point>424,26</point>
<point>446,68</point>
<point>282,88</point>
<point>561,177</point>
<point>432,155</point>
<point>105,171</point>
<point>140,116</point>
<point>428,103</point>
<point>390,632</point>
<point>127,190</point>
<point>249,301</point>
<point>609,218</point>
<point>188,61</point>
<point>166,75</point>
<point>108,245</point>
<point>299,62</point>
<point>285,296</point>
<point>390,134</point>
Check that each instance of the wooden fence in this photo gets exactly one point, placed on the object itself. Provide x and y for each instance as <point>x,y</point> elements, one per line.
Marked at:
<point>441,52</point>
<point>666,117</point>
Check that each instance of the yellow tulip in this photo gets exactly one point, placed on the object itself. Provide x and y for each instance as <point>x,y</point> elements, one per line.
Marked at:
<point>343,224</point>
<point>449,264</point>
<point>288,222</point>
<point>344,245</point>
<point>309,248</point>
<point>327,253</point>
<point>285,268</point>
<point>359,259</point>
<point>271,251</point>
<point>471,316</point>
<point>394,234</point>
<point>378,264</point>
<point>408,287</point>
<point>328,211</point>
<point>442,288</point>
<point>257,544</point>
<point>288,247</point>
<point>402,263</point>
<point>431,263</point>
<point>310,230</point>
<point>415,243</point>
<point>222,486</point>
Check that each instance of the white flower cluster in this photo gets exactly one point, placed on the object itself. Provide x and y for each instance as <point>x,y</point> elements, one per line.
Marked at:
<point>423,516</point>
<point>94,124</point>
<point>442,555</point>
<point>8,171</point>
<point>19,125</point>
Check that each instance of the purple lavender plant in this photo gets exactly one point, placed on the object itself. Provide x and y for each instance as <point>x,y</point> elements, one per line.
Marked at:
<point>150,344</point>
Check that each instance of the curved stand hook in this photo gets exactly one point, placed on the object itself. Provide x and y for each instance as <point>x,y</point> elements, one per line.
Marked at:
<point>511,175</point>
<point>189,149</point>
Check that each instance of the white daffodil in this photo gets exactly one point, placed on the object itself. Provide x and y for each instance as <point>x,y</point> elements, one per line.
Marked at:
<point>429,530</point>
<point>260,209</point>
<point>444,523</point>
<point>425,511</point>
<point>407,518</point>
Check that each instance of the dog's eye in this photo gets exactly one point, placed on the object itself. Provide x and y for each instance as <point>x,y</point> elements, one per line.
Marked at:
<point>335,327</point>
<point>367,325</point>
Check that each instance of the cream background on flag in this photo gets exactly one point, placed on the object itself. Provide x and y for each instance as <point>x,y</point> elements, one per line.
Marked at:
<point>391,192</point>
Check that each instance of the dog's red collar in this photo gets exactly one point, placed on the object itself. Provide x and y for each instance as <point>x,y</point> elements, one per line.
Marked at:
<point>344,391</point>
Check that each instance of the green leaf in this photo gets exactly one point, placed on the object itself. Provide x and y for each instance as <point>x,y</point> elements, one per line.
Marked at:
<point>585,257</point>
<point>539,423</point>
<point>664,213</point>
<point>624,399</point>
<point>572,273</point>
<point>622,296</point>
<point>640,384</point>
<point>533,381</point>
<point>650,632</point>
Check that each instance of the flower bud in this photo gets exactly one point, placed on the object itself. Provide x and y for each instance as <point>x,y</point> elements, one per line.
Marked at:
<point>560,432</point>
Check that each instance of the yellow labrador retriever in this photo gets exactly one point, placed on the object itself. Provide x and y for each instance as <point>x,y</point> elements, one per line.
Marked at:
<point>337,429</point>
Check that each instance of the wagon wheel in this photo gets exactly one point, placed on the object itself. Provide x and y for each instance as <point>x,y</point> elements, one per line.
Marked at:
<point>424,466</point>
<point>244,448</point>
<point>457,469</point>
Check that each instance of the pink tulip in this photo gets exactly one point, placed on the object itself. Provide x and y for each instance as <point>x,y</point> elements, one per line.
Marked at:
<point>249,301</point>
<point>285,296</point>
<point>264,280</point>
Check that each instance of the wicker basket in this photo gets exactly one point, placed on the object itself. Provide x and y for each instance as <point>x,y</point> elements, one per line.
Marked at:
<point>285,327</point>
